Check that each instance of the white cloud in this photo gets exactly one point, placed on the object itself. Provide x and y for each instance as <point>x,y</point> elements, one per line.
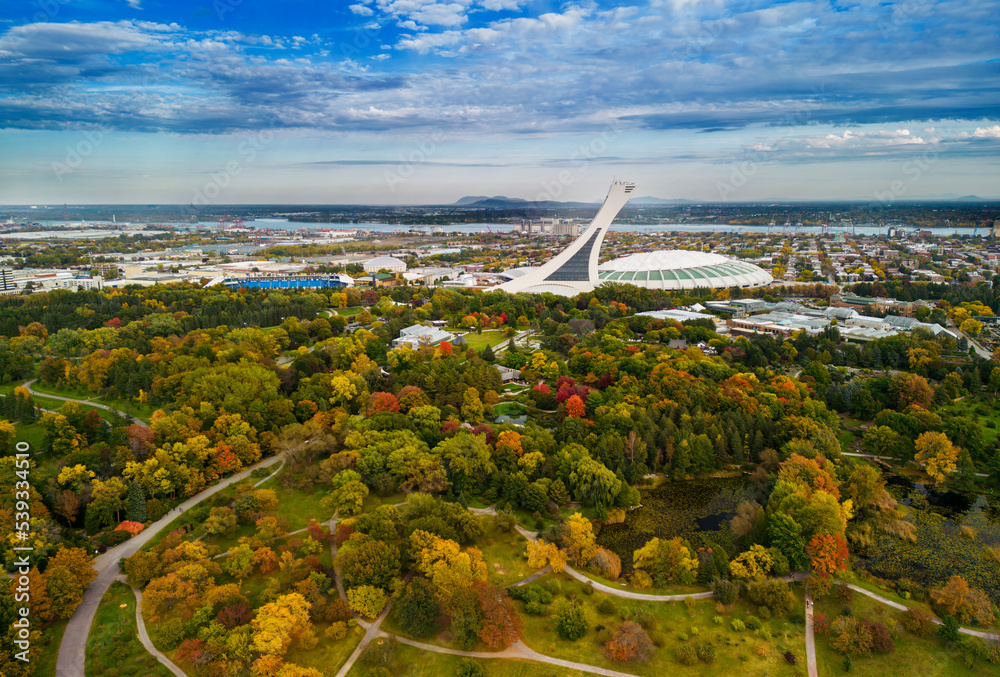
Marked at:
<point>992,132</point>
<point>134,4</point>
<point>361,10</point>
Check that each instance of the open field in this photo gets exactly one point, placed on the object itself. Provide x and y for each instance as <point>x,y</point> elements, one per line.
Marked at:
<point>113,646</point>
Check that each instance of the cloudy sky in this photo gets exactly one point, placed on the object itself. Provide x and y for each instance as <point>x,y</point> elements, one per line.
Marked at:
<point>418,101</point>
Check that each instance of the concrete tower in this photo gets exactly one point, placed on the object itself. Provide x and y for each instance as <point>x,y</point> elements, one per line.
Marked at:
<point>574,270</point>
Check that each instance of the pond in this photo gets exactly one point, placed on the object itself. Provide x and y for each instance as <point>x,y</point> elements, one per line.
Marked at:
<point>698,510</point>
<point>957,534</point>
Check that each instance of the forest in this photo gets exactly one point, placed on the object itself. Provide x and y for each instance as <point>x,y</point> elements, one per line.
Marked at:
<point>751,471</point>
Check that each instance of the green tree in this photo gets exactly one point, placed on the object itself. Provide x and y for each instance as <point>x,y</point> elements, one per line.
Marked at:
<point>136,503</point>
<point>571,622</point>
<point>786,535</point>
<point>594,484</point>
<point>667,561</point>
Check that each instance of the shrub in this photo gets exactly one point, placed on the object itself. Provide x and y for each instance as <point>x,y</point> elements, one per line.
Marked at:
<point>641,580</point>
<point>706,652</point>
<point>645,619</point>
<point>687,655</point>
<point>725,590</point>
<point>336,631</point>
<point>718,620</point>
<point>694,631</point>
<point>773,594</point>
<point>762,650</point>
<point>606,563</point>
<point>753,622</point>
<point>552,586</point>
<point>170,633</point>
<point>763,632</point>
<point>764,612</point>
<point>113,538</point>
<point>790,658</point>
<point>917,621</point>
<point>948,631</point>
<point>607,606</point>
<point>882,642</point>
<point>535,608</point>
<point>689,602</point>
<point>683,637</point>
<point>629,645</point>
<point>720,608</point>
<point>571,623</point>
<point>738,625</point>
<point>469,668</point>
<point>588,588</point>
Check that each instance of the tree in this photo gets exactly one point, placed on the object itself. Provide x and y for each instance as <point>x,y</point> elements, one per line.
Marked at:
<point>67,505</point>
<point>367,600</point>
<point>828,554</point>
<point>963,602</point>
<point>752,565</point>
<point>66,578</point>
<point>575,408</point>
<point>938,454</point>
<point>883,441</point>
<point>667,561</point>
<point>850,636</point>
<point>786,535</point>
<point>417,610</point>
<point>594,484</point>
<point>472,406</point>
<point>107,500</point>
<point>348,495</point>
<point>136,511</point>
<point>630,644</point>
<point>571,622</point>
<point>446,565</point>
<point>221,521</point>
<point>578,539</point>
<point>280,622</point>
<point>501,625</point>
<point>971,327</point>
<point>367,561</point>
<point>542,554</point>
<point>558,493</point>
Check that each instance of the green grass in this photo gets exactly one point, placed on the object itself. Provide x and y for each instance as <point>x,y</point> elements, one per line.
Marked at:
<point>194,516</point>
<point>299,506</point>
<point>504,555</point>
<point>492,337</point>
<point>350,312</point>
<point>967,408</point>
<point>735,651</point>
<point>45,662</point>
<point>328,655</point>
<point>913,656</point>
<point>512,409</point>
<point>114,643</point>
<point>413,662</point>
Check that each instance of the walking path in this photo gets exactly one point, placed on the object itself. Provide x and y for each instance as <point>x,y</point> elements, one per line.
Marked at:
<point>139,422</point>
<point>72,650</point>
<point>810,639</point>
<point>144,636</point>
<point>937,621</point>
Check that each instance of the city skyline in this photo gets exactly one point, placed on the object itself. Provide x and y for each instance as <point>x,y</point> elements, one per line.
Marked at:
<point>422,102</point>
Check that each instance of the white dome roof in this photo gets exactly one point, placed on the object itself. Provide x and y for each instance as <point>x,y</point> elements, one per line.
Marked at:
<point>385,261</point>
<point>680,269</point>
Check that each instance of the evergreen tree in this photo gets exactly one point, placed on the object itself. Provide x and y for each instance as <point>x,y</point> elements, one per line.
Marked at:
<point>558,493</point>
<point>487,354</point>
<point>136,504</point>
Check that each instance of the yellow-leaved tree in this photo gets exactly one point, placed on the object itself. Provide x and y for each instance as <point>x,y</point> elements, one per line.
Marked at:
<point>277,624</point>
<point>578,539</point>
<point>448,567</point>
<point>938,454</point>
<point>752,565</point>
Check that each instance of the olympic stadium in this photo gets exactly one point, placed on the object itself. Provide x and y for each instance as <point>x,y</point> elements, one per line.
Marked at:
<point>680,269</point>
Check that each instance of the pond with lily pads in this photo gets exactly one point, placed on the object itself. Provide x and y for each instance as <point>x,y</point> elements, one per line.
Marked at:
<point>698,510</point>
<point>957,534</point>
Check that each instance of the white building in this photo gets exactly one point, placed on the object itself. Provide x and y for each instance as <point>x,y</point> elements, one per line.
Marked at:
<point>390,263</point>
<point>418,335</point>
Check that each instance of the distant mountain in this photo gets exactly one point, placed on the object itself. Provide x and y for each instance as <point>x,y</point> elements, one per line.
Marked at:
<point>474,199</point>
<point>946,197</point>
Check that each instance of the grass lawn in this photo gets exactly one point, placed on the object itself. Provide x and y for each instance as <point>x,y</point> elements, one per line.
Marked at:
<point>297,505</point>
<point>413,662</point>
<point>847,439</point>
<point>492,337</point>
<point>512,409</point>
<point>968,407</point>
<point>504,557</point>
<point>113,642</point>
<point>912,657</point>
<point>329,654</point>
<point>350,312</point>
<point>736,652</point>
<point>45,663</point>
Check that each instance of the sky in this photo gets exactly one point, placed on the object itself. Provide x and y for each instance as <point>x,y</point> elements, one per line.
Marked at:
<point>423,102</point>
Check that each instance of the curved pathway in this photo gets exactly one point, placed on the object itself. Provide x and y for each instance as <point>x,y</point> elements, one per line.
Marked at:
<point>35,393</point>
<point>144,636</point>
<point>937,621</point>
<point>72,650</point>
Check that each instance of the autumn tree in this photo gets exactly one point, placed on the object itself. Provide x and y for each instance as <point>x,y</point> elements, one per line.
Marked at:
<point>575,407</point>
<point>68,574</point>
<point>938,454</point>
<point>851,636</point>
<point>280,622</point>
<point>956,598</point>
<point>594,484</point>
<point>667,561</point>
<point>630,644</point>
<point>828,554</point>
<point>578,539</point>
<point>367,600</point>
<point>752,565</point>
<point>446,564</point>
<point>501,624</point>
<point>348,494</point>
<point>542,554</point>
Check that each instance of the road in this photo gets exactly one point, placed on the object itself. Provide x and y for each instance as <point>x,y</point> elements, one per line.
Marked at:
<point>72,650</point>
<point>35,393</point>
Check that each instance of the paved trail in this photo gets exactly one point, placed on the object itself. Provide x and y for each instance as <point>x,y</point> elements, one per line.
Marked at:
<point>35,393</point>
<point>144,636</point>
<point>810,639</point>
<point>73,648</point>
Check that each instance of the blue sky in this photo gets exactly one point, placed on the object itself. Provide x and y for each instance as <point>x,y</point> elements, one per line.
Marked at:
<point>418,101</point>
